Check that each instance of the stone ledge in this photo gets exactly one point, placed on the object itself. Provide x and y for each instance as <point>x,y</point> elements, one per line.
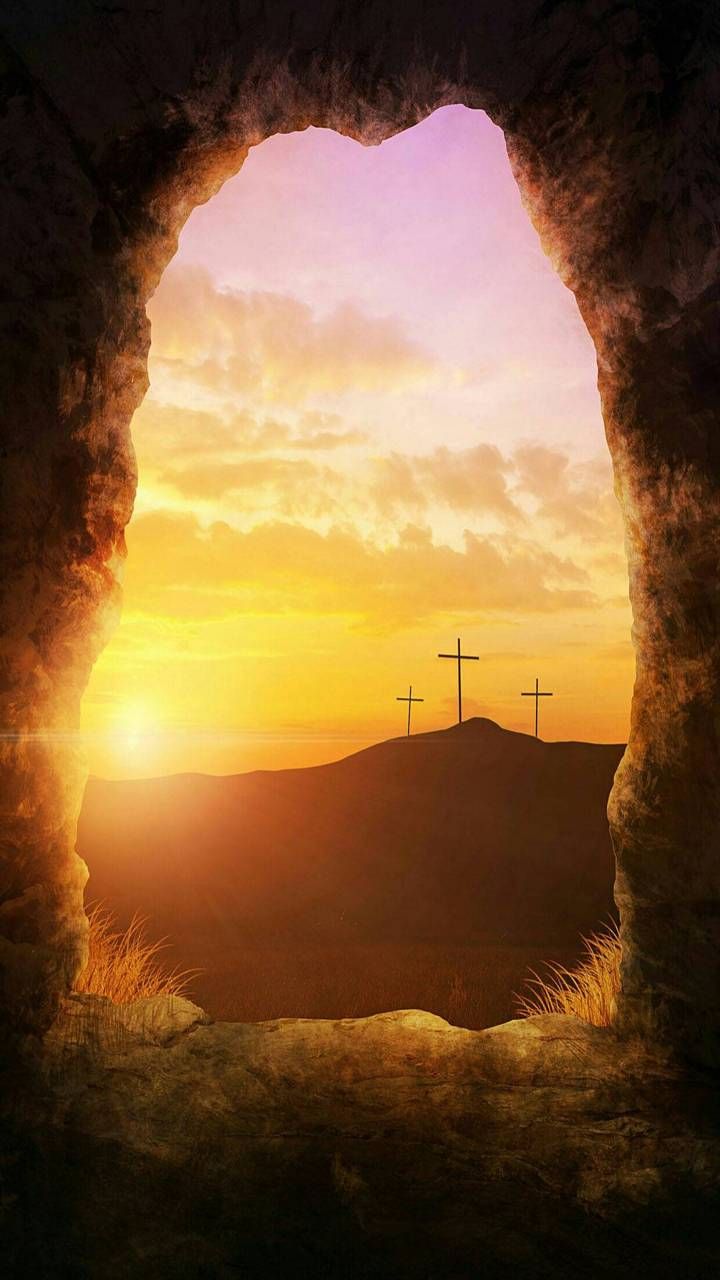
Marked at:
<point>389,1146</point>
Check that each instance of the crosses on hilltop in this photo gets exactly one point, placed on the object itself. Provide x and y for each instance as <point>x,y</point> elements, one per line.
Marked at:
<point>459,657</point>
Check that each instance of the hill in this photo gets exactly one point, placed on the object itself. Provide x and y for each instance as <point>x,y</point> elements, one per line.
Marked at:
<point>470,835</point>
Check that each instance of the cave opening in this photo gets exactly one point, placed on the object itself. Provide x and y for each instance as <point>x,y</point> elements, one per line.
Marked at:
<point>372,421</point>
<point>627,217</point>
<point>146,1135</point>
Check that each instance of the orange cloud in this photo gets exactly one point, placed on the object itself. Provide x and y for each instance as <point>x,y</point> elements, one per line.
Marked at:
<point>209,455</point>
<point>577,499</point>
<point>467,480</point>
<point>178,568</point>
<point>168,432</point>
<point>292,486</point>
<point>276,346</point>
<point>323,440</point>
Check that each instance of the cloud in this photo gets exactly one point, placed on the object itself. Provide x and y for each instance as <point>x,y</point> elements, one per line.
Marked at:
<point>324,440</point>
<point>291,486</point>
<point>178,568</point>
<point>170,432</point>
<point>275,346</point>
<point>576,498</point>
<point>275,469</point>
<point>541,471</point>
<point>269,463</point>
<point>471,481</point>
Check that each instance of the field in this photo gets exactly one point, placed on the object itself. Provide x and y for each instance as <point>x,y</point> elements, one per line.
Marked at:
<point>430,873</point>
<point>470,986</point>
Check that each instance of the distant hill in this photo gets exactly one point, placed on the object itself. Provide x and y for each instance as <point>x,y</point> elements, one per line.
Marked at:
<point>472,834</point>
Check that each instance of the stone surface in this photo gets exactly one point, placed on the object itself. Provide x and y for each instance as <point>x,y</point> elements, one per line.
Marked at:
<point>388,1146</point>
<point>100,1026</point>
<point>115,121</point>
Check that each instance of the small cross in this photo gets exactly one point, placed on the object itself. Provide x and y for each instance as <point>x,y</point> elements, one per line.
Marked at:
<point>409,701</point>
<point>537,695</point>
<point>460,658</point>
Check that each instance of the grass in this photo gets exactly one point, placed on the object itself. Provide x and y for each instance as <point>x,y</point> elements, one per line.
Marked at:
<point>123,965</point>
<point>470,985</point>
<point>589,990</point>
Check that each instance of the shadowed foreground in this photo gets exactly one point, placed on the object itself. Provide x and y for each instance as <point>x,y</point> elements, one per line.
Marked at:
<point>393,1146</point>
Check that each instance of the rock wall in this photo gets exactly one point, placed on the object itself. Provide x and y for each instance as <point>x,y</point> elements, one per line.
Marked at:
<point>397,1146</point>
<point>114,124</point>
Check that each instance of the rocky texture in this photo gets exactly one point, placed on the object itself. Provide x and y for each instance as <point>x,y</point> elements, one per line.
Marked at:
<point>114,122</point>
<point>390,1146</point>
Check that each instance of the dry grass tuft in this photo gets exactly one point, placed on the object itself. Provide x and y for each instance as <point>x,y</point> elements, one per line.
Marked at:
<point>588,991</point>
<point>123,965</point>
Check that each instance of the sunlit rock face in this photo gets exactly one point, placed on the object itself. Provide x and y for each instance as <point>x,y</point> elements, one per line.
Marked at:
<point>115,123</point>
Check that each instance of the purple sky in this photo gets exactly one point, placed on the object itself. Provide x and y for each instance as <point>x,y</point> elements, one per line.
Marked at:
<point>429,228</point>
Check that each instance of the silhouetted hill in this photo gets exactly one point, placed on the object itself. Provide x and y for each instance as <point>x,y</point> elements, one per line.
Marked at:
<point>471,834</point>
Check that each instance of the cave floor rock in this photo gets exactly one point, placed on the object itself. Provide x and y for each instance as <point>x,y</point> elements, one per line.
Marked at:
<point>163,1145</point>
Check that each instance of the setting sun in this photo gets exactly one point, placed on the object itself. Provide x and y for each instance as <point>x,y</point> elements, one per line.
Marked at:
<point>133,728</point>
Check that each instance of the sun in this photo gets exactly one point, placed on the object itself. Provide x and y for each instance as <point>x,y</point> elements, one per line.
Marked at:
<point>134,727</point>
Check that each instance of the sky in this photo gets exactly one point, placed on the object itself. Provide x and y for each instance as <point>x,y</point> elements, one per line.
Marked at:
<point>372,427</point>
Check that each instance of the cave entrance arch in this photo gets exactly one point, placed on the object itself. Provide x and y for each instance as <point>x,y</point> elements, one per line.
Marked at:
<point>425,376</point>
<point>593,107</point>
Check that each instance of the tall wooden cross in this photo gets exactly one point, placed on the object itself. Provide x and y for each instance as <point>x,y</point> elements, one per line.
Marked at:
<point>460,658</point>
<point>409,701</point>
<point>537,695</point>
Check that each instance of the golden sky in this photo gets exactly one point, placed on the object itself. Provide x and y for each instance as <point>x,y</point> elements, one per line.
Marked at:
<point>372,426</point>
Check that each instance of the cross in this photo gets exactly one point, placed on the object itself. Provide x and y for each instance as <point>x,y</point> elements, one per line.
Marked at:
<point>409,701</point>
<point>460,658</point>
<point>537,695</point>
